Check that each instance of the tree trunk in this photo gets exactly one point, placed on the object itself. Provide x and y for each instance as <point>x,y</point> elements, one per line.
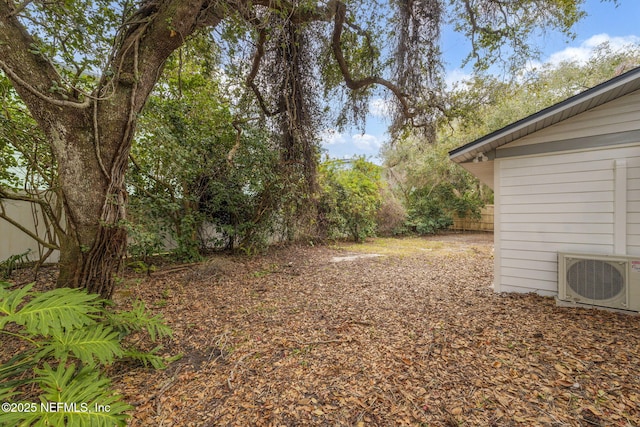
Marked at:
<point>91,135</point>
<point>92,182</point>
<point>93,269</point>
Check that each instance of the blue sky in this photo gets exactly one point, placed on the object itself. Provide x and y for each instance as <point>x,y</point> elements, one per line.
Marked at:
<point>604,22</point>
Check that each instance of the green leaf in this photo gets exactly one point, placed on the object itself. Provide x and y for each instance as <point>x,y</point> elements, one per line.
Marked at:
<point>63,324</point>
<point>138,319</point>
<point>148,358</point>
<point>10,300</point>
<point>57,310</point>
<point>6,393</point>
<point>95,403</point>
<point>18,364</point>
<point>97,342</point>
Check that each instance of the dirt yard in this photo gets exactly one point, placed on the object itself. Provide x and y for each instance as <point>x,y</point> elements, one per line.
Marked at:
<point>393,332</point>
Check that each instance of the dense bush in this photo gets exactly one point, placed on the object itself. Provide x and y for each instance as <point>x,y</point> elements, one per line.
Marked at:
<point>432,188</point>
<point>391,216</point>
<point>432,210</point>
<point>350,198</point>
<point>198,177</point>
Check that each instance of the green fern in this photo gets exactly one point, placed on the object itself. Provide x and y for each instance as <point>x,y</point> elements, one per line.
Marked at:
<point>95,343</point>
<point>10,300</point>
<point>14,262</point>
<point>16,366</point>
<point>59,310</point>
<point>62,328</point>
<point>59,323</point>
<point>6,394</point>
<point>147,357</point>
<point>49,312</point>
<point>138,319</point>
<point>86,393</point>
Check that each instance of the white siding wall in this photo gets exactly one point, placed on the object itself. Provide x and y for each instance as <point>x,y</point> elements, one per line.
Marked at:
<point>633,205</point>
<point>560,202</point>
<point>565,201</point>
<point>13,241</point>
<point>619,115</point>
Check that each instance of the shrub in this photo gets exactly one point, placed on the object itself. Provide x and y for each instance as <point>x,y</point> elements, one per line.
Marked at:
<point>391,216</point>
<point>68,337</point>
<point>432,209</point>
<point>426,216</point>
<point>350,198</point>
<point>12,263</point>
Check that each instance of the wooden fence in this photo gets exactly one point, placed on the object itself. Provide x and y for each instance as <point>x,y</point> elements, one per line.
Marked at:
<point>485,223</point>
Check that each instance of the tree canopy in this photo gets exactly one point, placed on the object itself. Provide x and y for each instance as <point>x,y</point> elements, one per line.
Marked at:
<point>84,69</point>
<point>432,187</point>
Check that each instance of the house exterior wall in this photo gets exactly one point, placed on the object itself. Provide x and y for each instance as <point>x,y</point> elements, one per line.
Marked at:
<point>633,206</point>
<point>563,202</point>
<point>616,116</point>
<point>584,200</point>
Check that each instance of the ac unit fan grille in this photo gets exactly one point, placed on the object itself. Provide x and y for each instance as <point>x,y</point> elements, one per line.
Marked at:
<point>595,279</point>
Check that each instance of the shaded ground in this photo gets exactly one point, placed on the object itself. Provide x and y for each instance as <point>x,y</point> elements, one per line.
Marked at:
<point>414,336</point>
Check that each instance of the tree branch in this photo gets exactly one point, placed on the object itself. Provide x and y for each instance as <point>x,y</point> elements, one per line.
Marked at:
<point>59,102</point>
<point>19,8</point>
<point>255,67</point>
<point>353,84</point>
<point>296,14</point>
<point>44,205</point>
<point>32,74</point>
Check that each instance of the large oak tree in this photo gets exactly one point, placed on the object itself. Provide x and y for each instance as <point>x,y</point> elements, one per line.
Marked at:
<point>84,70</point>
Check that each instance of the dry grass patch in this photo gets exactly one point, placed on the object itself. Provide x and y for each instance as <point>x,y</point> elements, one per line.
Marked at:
<point>392,246</point>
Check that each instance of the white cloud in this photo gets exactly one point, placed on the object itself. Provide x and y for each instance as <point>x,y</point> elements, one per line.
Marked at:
<point>346,146</point>
<point>366,142</point>
<point>380,108</point>
<point>585,50</point>
<point>332,137</point>
<point>456,76</point>
<point>580,54</point>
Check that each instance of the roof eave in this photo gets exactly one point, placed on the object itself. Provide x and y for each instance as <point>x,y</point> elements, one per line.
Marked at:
<point>549,116</point>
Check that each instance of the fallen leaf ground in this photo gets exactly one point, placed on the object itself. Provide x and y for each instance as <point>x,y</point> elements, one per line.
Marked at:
<point>414,336</point>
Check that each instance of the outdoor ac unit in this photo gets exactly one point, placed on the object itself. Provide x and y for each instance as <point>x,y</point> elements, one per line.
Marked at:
<point>602,280</point>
